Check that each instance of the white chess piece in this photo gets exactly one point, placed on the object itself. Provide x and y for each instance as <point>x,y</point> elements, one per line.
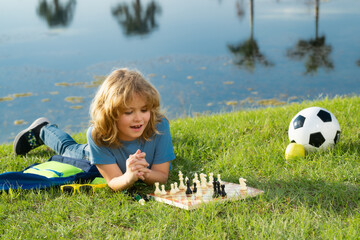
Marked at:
<point>211,179</point>
<point>195,178</point>
<point>163,192</point>
<point>242,182</point>
<point>182,185</point>
<point>181,176</point>
<point>199,191</point>
<point>186,179</point>
<point>172,190</point>
<point>157,189</point>
<point>176,187</point>
<point>219,179</point>
<point>203,181</point>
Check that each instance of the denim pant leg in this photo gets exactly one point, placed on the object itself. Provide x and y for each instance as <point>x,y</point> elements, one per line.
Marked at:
<point>62,143</point>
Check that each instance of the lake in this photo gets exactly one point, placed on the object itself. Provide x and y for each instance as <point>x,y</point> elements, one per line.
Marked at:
<point>204,56</point>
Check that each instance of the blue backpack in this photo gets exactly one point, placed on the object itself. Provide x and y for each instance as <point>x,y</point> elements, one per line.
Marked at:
<point>57,170</point>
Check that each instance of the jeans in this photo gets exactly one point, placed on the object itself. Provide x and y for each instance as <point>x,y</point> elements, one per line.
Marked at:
<point>62,143</point>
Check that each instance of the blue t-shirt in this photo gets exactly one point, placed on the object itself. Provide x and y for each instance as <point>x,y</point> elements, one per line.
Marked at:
<point>158,149</point>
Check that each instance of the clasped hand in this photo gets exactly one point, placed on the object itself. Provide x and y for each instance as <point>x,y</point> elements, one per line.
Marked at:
<point>136,165</point>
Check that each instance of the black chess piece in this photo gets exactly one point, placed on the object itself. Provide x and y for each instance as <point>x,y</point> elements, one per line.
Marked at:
<point>194,188</point>
<point>218,187</point>
<point>223,193</point>
<point>188,189</point>
<point>215,194</point>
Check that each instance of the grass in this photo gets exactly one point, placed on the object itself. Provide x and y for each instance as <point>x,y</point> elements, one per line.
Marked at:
<point>317,197</point>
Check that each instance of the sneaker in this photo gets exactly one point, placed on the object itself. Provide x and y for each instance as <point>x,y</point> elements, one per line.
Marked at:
<point>29,138</point>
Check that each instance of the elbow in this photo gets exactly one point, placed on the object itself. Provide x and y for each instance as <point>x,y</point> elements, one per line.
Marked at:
<point>161,178</point>
<point>164,180</point>
<point>114,187</point>
<point>119,184</point>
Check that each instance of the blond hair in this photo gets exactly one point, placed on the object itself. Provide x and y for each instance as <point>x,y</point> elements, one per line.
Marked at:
<point>112,99</point>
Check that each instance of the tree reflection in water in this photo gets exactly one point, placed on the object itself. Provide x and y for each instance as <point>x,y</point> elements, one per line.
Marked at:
<point>316,52</point>
<point>135,19</point>
<point>247,53</point>
<point>56,13</point>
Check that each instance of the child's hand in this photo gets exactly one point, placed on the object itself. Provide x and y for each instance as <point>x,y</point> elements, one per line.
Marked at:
<point>136,166</point>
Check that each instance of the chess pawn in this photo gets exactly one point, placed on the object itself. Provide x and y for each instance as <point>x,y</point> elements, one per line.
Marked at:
<point>176,187</point>
<point>242,182</point>
<point>223,193</point>
<point>211,179</point>
<point>163,192</point>
<point>172,190</point>
<point>157,189</point>
<point>195,188</point>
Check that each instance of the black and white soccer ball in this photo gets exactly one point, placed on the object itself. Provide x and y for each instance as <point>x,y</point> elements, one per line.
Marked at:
<point>315,128</point>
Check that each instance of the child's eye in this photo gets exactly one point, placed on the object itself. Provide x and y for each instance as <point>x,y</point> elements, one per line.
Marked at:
<point>144,110</point>
<point>128,112</point>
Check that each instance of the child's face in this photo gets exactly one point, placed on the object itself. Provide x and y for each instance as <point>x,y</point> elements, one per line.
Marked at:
<point>134,120</point>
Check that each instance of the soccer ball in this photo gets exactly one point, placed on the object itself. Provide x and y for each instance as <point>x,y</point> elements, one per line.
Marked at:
<point>315,128</point>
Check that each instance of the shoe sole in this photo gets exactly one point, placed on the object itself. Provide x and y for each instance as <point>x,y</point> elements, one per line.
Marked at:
<point>36,123</point>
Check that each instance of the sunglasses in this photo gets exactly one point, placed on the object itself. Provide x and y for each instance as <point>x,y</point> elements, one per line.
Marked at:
<point>70,189</point>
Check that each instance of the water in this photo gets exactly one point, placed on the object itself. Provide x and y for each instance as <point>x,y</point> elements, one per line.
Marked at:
<point>204,56</point>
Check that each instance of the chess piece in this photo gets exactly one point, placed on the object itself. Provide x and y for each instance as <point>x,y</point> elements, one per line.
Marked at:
<point>211,179</point>
<point>176,187</point>
<point>163,192</point>
<point>180,175</point>
<point>195,188</point>
<point>188,189</point>
<point>215,194</point>
<point>242,182</point>
<point>139,199</point>
<point>223,193</point>
<point>219,179</point>
<point>172,190</point>
<point>218,187</point>
<point>181,180</point>
<point>182,185</point>
<point>195,177</point>
<point>157,189</point>
<point>203,181</point>
<point>199,192</point>
<point>186,179</point>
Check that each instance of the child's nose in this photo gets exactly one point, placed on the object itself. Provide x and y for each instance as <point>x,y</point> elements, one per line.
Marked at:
<point>137,116</point>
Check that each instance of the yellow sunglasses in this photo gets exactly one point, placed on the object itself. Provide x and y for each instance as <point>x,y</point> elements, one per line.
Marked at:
<point>70,189</point>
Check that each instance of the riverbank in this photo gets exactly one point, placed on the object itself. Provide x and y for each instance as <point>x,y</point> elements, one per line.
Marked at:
<point>314,197</point>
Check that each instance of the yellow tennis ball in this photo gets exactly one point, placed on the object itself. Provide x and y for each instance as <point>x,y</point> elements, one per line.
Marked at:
<point>294,150</point>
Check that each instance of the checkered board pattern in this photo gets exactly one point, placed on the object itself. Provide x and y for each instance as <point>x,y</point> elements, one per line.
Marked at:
<point>189,202</point>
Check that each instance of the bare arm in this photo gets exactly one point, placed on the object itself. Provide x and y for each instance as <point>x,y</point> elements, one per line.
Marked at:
<point>115,179</point>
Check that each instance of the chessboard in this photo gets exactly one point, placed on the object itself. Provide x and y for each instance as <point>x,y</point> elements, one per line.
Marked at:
<point>192,201</point>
